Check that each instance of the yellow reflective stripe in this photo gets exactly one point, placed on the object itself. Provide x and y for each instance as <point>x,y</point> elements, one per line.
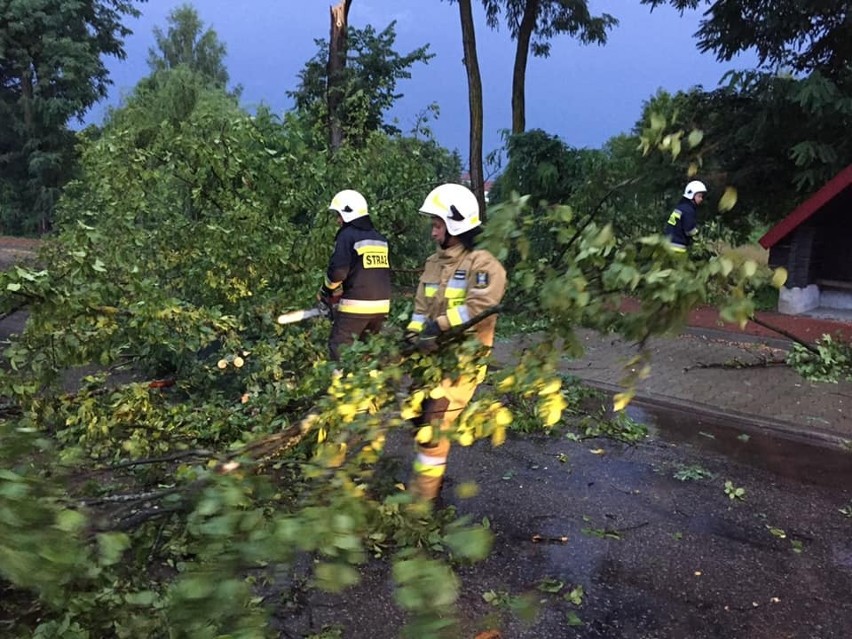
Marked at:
<point>481,372</point>
<point>429,290</point>
<point>674,217</point>
<point>430,466</point>
<point>454,293</point>
<point>364,307</point>
<point>373,253</point>
<point>416,323</point>
<point>371,246</point>
<point>677,248</point>
<point>458,315</point>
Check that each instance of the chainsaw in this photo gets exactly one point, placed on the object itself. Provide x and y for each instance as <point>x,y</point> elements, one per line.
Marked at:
<point>320,310</point>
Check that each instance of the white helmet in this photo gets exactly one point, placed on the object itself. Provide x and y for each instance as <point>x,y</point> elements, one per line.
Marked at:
<point>349,204</point>
<point>694,187</point>
<point>456,205</point>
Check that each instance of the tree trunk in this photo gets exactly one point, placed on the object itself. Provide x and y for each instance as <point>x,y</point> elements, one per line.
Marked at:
<point>27,95</point>
<point>335,68</point>
<point>519,75</point>
<point>474,89</point>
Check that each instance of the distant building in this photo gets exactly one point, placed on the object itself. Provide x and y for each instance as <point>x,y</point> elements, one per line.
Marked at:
<point>464,178</point>
<point>814,244</point>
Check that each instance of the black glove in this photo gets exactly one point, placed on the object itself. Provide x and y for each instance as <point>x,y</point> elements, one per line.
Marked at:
<point>409,338</point>
<point>329,297</point>
<point>427,339</point>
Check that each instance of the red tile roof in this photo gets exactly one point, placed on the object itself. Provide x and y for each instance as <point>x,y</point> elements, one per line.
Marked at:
<point>465,179</point>
<point>807,208</point>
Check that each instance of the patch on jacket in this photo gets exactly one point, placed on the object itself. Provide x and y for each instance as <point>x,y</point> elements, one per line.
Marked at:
<point>481,279</point>
<point>460,275</point>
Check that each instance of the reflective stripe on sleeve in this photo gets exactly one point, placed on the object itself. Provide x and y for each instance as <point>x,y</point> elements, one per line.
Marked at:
<point>674,218</point>
<point>455,291</point>
<point>458,315</point>
<point>416,322</point>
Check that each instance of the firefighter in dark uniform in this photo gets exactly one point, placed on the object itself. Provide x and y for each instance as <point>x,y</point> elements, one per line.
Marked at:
<point>357,283</point>
<point>458,283</point>
<point>682,224</point>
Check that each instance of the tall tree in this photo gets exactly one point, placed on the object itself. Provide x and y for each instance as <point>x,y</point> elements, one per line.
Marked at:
<point>532,24</point>
<point>803,87</point>
<point>804,35</point>
<point>335,68</point>
<point>187,43</point>
<point>364,88</point>
<point>51,71</point>
<point>474,92</point>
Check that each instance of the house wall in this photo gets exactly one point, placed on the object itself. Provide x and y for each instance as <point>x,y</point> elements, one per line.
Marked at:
<point>818,259</point>
<point>795,253</point>
<point>833,247</point>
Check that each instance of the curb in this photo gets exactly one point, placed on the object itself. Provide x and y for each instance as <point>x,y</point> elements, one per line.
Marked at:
<point>810,435</point>
<point>734,336</point>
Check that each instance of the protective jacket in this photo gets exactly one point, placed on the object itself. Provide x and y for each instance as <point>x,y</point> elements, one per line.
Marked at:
<point>682,225</point>
<point>360,265</point>
<point>457,284</point>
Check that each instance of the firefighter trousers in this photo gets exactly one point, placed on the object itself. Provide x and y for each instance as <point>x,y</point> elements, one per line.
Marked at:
<point>348,327</point>
<point>430,462</point>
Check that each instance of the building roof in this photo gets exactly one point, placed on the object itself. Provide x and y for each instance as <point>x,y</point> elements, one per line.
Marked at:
<point>464,178</point>
<point>807,208</point>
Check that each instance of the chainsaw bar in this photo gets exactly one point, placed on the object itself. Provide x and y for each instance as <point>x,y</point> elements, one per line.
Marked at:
<point>299,316</point>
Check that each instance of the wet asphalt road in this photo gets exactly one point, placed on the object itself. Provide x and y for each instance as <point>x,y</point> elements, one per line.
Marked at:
<point>658,558</point>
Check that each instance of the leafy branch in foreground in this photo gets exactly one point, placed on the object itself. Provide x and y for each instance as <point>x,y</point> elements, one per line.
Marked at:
<point>145,487</point>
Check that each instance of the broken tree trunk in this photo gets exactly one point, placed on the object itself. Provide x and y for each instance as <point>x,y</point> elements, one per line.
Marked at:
<point>336,66</point>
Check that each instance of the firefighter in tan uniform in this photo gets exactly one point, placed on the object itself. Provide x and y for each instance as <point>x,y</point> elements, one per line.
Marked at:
<point>458,283</point>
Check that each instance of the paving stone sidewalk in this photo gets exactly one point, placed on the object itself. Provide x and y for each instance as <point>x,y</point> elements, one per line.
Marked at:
<point>697,371</point>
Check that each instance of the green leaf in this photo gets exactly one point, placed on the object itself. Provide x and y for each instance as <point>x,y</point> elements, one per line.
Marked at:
<point>142,598</point>
<point>576,595</point>
<point>470,543</point>
<point>777,532</point>
<point>70,521</point>
<point>695,138</point>
<point>112,546</point>
<point>196,587</point>
<point>334,577</point>
<point>728,199</point>
<point>574,619</point>
<point>550,585</point>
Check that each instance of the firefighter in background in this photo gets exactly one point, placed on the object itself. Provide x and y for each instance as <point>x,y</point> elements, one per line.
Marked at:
<point>458,283</point>
<point>357,283</point>
<point>682,224</point>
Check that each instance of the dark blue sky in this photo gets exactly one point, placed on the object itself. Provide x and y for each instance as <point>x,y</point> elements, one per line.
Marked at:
<point>584,94</point>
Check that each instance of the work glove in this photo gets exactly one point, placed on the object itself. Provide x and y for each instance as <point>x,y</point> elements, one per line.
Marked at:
<point>329,297</point>
<point>409,338</point>
<point>427,339</point>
